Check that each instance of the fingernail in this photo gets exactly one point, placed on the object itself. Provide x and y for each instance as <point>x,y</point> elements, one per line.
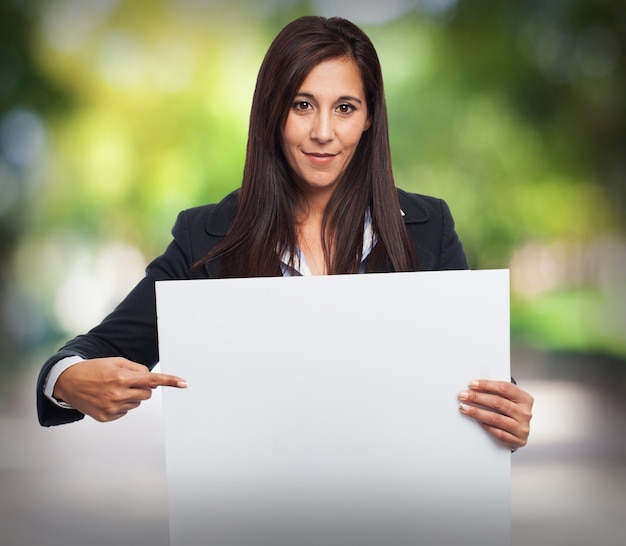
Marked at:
<point>463,395</point>
<point>182,384</point>
<point>474,383</point>
<point>464,408</point>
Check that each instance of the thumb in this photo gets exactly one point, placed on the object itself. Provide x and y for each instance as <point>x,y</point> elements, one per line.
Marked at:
<point>130,365</point>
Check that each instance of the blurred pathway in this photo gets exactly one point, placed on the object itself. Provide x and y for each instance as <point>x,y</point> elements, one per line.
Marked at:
<point>569,483</point>
<point>104,484</point>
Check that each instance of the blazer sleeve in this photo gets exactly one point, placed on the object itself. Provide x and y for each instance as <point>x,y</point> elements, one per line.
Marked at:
<point>130,331</point>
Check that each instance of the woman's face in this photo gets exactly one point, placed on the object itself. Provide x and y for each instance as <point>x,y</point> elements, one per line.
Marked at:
<point>324,125</point>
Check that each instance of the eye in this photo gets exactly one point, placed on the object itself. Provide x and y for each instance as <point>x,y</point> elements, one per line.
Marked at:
<point>345,108</point>
<point>301,105</point>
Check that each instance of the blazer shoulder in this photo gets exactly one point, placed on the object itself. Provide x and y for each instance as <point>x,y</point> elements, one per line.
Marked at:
<point>197,230</point>
<point>431,228</point>
<point>214,218</point>
<point>420,208</point>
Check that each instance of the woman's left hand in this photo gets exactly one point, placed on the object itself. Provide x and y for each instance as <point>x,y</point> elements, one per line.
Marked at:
<point>501,408</point>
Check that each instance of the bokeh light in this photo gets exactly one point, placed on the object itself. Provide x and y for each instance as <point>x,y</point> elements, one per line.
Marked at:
<point>117,114</point>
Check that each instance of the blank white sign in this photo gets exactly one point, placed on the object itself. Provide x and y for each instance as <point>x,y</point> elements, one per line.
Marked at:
<point>323,410</point>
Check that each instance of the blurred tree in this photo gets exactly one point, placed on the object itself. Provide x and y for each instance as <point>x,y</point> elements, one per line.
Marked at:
<point>26,93</point>
<point>562,66</point>
<point>519,116</point>
<point>511,111</point>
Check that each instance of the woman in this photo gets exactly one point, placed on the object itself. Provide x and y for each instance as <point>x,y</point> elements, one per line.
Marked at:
<point>317,197</point>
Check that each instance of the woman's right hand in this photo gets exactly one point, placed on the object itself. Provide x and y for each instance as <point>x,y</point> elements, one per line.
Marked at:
<point>107,388</point>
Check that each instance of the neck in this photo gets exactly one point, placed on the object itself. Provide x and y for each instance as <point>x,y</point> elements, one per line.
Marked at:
<point>312,207</point>
<point>310,216</point>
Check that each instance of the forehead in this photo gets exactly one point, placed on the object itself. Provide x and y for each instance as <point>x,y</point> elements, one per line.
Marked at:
<point>341,75</point>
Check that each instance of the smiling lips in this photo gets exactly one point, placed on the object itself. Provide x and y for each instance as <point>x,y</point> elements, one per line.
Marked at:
<point>320,159</point>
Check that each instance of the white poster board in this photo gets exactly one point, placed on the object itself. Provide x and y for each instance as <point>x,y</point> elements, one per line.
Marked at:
<point>323,410</point>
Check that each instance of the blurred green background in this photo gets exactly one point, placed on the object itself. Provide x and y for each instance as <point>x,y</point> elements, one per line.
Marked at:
<point>114,115</point>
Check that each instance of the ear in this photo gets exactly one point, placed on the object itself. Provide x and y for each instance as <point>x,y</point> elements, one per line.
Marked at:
<point>368,123</point>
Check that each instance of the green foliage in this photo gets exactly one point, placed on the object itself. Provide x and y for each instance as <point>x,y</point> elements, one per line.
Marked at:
<point>514,112</point>
<point>589,319</point>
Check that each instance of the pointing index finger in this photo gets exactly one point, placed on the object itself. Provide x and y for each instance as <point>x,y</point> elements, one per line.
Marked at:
<point>154,380</point>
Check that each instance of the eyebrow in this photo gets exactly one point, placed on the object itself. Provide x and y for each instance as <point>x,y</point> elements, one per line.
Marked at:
<point>343,97</point>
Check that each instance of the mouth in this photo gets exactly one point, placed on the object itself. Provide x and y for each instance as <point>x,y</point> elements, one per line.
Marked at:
<point>320,159</point>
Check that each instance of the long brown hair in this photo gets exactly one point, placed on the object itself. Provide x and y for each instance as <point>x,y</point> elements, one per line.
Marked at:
<point>265,225</point>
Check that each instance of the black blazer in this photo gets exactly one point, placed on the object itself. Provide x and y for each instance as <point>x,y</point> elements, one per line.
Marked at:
<point>130,331</point>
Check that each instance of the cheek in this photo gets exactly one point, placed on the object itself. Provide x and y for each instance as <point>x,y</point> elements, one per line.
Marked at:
<point>356,137</point>
<point>291,132</point>
<point>286,141</point>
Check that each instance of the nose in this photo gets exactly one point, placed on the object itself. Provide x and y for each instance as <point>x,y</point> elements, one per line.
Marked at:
<point>322,129</point>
